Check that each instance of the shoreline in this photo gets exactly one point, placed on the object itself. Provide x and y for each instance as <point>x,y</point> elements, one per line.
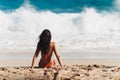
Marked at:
<point>19,57</point>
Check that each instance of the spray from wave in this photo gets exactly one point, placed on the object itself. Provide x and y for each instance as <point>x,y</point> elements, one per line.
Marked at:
<point>88,29</point>
<point>117,4</point>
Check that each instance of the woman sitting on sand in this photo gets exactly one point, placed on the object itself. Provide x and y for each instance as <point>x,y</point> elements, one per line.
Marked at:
<point>46,47</point>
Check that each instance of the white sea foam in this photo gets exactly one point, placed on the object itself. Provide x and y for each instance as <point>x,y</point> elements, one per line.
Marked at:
<point>117,4</point>
<point>88,29</point>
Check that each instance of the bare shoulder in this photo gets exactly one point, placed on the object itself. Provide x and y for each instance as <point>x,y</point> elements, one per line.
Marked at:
<point>52,44</point>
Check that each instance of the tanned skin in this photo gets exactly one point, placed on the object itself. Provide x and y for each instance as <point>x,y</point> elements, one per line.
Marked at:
<point>46,59</point>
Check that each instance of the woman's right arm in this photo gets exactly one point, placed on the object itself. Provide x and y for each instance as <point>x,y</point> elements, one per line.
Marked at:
<point>57,55</point>
<point>35,56</point>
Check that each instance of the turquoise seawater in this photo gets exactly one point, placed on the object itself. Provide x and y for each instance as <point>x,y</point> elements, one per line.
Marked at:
<point>58,6</point>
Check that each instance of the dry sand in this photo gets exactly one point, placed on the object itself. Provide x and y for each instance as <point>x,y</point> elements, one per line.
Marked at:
<point>72,70</point>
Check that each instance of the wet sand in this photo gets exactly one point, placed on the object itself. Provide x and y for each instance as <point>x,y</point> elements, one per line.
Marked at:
<point>69,62</point>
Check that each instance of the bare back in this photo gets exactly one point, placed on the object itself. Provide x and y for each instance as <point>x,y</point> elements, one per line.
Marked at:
<point>46,58</point>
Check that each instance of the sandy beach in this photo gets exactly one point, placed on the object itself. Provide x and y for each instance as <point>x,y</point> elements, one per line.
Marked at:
<point>15,65</point>
<point>73,72</point>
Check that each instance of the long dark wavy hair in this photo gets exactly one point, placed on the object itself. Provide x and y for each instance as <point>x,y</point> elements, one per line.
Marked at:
<point>44,41</point>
